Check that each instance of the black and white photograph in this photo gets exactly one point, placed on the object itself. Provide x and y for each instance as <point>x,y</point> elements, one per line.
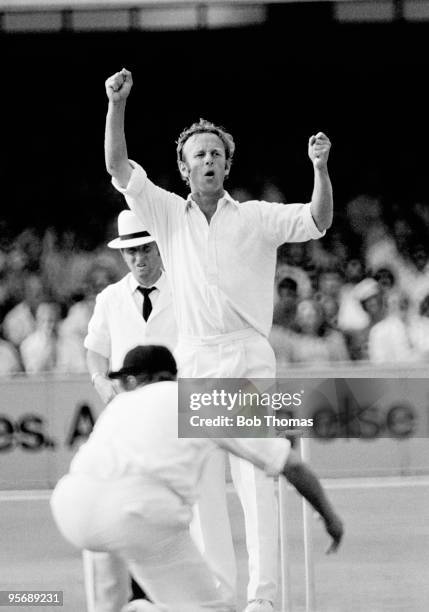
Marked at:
<point>214,306</point>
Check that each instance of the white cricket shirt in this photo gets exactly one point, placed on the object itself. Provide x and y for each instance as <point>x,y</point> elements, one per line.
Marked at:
<point>221,274</point>
<point>136,434</point>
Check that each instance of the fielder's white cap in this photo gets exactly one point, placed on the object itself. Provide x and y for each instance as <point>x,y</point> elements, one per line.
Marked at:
<point>131,232</point>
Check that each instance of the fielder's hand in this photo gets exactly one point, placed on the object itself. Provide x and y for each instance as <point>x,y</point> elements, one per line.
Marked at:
<point>105,388</point>
<point>335,528</point>
<point>118,86</point>
<point>318,150</point>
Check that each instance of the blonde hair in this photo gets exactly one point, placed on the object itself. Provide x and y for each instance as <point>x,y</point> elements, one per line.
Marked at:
<point>204,127</point>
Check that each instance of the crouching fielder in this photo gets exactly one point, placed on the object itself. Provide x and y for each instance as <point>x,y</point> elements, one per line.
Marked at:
<point>131,488</point>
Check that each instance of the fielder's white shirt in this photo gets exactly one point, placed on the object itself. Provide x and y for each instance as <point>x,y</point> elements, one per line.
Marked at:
<point>136,434</point>
<point>221,274</point>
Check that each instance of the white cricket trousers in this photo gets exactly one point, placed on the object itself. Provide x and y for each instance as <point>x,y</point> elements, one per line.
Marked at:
<point>244,354</point>
<point>140,526</point>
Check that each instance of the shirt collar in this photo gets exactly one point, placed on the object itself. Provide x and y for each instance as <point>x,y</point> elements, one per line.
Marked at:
<point>225,199</point>
<point>159,284</point>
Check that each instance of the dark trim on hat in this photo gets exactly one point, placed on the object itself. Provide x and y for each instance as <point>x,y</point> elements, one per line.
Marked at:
<point>135,235</point>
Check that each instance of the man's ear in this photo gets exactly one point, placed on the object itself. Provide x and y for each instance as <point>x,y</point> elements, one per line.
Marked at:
<point>184,170</point>
<point>130,383</point>
<point>227,167</point>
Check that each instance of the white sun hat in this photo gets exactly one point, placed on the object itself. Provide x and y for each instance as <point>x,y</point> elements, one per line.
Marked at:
<point>131,232</point>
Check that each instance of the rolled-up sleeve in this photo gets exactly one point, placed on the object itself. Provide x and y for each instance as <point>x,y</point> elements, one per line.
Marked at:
<point>288,223</point>
<point>135,184</point>
<point>150,203</point>
<point>310,223</point>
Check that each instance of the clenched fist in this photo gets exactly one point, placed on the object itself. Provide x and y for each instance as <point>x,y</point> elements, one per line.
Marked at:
<point>105,388</point>
<point>335,528</point>
<point>118,86</point>
<point>318,150</point>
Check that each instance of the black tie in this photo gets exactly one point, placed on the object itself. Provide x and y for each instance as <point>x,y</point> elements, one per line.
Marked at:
<point>147,304</point>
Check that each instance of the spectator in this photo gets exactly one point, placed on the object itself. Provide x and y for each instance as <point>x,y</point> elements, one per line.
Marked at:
<point>420,329</point>
<point>299,275</point>
<point>9,358</point>
<point>292,262</point>
<point>351,315</point>
<point>370,297</point>
<point>20,321</point>
<point>330,308</point>
<point>29,244</point>
<point>74,328</point>
<point>419,271</point>
<point>329,289</point>
<point>390,340</point>
<point>285,309</point>
<point>354,271</point>
<point>386,279</point>
<point>295,254</point>
<point>282,334</point>
<point>387,282</point>
<point>67,268</point>
<point>314,342</point>
<point>17,260</point>
<point>404,252</point>
<point>330,282</point>
<point>6,298</point>
<point>39,349</point>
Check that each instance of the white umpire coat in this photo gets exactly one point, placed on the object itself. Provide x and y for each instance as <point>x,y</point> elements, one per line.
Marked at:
<point>117,324</point>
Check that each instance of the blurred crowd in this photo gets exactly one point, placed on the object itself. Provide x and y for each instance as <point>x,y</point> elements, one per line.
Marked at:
<point>359,293</point>
<point>48,285</point>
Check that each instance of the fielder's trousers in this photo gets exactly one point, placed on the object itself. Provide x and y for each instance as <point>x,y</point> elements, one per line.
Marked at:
<point>138,525</point>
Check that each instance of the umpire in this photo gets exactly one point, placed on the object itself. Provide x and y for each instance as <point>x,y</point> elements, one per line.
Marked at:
<point>136,310</point>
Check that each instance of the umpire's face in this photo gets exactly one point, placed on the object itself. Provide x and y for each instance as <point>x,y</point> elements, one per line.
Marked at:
<point>144,263</point>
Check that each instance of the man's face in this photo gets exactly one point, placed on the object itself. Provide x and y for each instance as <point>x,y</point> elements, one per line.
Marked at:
<point>330,283</point>
<point>204,164</point>
<point>420,257</point>
<point>373,305</point>
<point>354,271</point>
<point>144,263</point>
<point>34,293</point>
<point>288,297</point>
<point>47,315</point>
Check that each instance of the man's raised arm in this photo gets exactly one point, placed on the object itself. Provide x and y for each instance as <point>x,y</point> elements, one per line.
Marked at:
<point>321,200</point>
<point>118,88</point>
